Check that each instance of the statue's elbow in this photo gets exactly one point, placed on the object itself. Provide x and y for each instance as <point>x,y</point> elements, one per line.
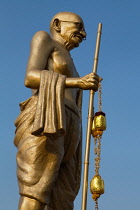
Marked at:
<point>27,83</point>
<point>31,82</point>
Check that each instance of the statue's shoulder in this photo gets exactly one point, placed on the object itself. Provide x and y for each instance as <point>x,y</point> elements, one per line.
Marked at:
<point>41,36</point>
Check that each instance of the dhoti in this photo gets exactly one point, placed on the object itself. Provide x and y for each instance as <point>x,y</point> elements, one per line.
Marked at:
<point>48,170</point>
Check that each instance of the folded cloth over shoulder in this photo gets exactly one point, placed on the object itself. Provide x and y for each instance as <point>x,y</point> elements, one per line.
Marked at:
<point>50,110</point>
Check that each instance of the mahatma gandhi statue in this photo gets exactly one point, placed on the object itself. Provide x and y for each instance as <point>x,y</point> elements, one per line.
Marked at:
<point>48,129</point>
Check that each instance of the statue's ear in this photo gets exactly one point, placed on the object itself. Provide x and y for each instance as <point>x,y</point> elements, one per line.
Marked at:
<point>57,25</point>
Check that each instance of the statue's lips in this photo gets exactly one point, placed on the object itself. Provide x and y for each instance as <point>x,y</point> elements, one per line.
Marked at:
<point>79,38</point>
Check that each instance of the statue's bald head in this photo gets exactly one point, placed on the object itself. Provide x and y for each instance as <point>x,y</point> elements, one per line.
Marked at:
<point>68,28</point>
<point>63,16</point>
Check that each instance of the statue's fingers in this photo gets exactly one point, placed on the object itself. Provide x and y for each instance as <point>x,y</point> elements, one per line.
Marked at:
<point>100,79</point>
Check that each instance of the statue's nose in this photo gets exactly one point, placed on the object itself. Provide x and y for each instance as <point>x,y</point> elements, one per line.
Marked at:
<point>83,33</point>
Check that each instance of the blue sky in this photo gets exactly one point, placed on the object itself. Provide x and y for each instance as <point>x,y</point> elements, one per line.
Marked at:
<point>119,65</point>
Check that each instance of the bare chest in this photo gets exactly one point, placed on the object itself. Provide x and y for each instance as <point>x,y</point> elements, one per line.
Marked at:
<point>60,61</point>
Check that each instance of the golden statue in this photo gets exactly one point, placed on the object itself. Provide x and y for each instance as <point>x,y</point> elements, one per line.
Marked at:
<point>48,129</point>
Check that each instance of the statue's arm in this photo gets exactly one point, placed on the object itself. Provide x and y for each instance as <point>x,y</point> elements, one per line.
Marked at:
<point>87,82</point>
<point>41,47</point>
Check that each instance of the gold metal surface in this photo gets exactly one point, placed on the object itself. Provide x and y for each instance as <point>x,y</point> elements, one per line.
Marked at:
<point>98,125</point>
<point>97,186</point>
<point>41,176</point>
<point>100,122</point>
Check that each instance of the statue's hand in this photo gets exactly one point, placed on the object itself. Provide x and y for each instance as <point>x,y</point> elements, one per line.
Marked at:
<point>89,81</point>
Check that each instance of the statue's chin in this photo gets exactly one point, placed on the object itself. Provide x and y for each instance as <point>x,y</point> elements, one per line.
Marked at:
<point>74,42</point>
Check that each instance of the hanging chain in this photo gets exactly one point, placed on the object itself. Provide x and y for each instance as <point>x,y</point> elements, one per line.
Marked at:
<point>100,97</point>
<point>96,205</point>
<point>97,141</point>
<point>97,151</point>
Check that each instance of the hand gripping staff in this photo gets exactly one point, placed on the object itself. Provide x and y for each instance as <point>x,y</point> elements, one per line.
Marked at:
<point>89,123</point>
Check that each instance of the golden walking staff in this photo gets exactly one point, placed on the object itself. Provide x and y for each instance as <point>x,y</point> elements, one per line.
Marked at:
<point>89,124</point>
